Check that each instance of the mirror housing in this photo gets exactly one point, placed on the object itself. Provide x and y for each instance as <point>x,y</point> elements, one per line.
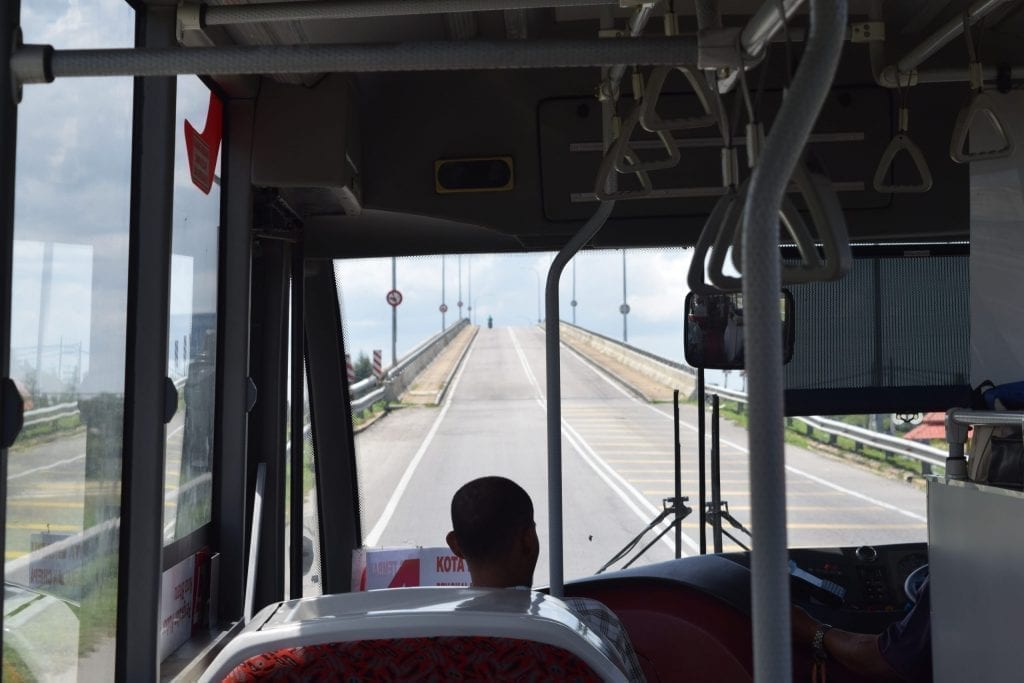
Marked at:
<point>713,330</point>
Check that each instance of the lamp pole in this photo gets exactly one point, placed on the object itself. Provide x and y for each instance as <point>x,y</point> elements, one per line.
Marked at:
<point>460,287</point>
<point>624,308</point>
<point>537,276</point>
<point>394,314</point>
<point>573,302</point>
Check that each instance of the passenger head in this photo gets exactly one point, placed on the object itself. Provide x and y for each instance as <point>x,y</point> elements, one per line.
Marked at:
<point>494,531</point>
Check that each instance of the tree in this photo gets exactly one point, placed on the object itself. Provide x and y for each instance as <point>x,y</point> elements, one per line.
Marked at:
<point>363,366</point>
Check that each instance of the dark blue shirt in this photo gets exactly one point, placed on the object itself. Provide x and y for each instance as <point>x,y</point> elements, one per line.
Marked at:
<point>907,644</point>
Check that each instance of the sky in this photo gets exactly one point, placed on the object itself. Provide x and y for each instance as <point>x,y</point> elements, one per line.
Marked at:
<point>73,190</point>
<point>507,286</point>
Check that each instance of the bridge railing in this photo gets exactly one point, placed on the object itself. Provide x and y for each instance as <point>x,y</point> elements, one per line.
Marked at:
<point>928,456</point>
<point>401,376</point>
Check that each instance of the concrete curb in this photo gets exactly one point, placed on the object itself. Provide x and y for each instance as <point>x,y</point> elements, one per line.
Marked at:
<point>372,421</point>
<point>600,368</point>
<point>455,368</point>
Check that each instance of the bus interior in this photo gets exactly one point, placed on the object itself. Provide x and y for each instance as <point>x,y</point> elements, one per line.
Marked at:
<point>234,158</point>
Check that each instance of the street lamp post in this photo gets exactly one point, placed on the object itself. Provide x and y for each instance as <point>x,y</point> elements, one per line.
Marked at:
<point>624,308</point>
<point>460,287</point>
<point>573,302</point>
<point>394,314</point>
<point>444,307</point>
<point>537,276</point>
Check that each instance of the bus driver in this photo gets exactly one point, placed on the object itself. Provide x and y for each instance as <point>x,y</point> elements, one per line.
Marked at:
<point>494,532</point>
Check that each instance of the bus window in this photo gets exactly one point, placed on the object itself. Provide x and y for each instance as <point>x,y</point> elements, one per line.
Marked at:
<point>192,345</point>
<point>67,343</point>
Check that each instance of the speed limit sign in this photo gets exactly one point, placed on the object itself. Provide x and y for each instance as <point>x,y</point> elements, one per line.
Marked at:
<point>394,297</point>
<point>443,308</point>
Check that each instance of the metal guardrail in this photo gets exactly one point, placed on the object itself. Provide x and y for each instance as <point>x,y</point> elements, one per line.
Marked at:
<point>368,391</point>
<point>927,455</point>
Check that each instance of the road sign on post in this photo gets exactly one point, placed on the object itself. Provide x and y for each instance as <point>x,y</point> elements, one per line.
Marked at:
<point>443,308</point>
<point>394,297</point>
<point>378,365</point>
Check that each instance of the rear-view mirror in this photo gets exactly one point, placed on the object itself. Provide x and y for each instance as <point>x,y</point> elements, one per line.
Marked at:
<point>713,330</point>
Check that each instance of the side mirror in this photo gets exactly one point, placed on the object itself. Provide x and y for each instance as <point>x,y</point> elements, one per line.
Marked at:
<point>713,330</point>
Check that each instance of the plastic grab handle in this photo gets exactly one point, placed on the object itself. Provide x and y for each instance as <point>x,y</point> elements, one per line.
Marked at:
<point>620,150</point>
<point>695,277</point>
<point>625,164</point>
<point>979,104</point>
<point>902,143</point>
<point>649,117</point>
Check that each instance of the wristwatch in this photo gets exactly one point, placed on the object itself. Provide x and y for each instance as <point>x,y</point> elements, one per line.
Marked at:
<point>819,640</point>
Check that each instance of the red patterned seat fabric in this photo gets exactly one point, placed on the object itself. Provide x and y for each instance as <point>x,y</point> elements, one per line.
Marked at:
<point>465,658</point>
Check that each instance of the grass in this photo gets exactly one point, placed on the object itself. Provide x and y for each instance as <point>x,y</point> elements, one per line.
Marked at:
<point>370,413</point>
<point>33,435</point>
<point>804,435</point>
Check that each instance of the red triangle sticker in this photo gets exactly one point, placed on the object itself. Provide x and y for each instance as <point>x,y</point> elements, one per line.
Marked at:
<point>202,148</point>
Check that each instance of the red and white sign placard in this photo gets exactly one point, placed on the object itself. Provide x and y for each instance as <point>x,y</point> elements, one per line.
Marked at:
<point>394,297</point>
<point>373,569</point>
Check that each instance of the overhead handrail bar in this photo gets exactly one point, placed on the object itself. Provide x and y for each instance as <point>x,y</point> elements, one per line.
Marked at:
<point>42,63</point>
<point>763,337</point>
<point>905,71</point>
<point>979,103</point>
<point>901,142</point>
<point>764,24</point>
<point>227,15</point>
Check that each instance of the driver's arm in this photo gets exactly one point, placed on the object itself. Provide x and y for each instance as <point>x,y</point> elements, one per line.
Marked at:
<point>858,652</point>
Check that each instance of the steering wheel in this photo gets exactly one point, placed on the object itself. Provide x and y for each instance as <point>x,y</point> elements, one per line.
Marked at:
<point>915,579</point>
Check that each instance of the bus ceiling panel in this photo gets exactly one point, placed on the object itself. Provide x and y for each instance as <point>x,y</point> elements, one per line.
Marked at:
<point>548,125</point>
<point>385,233</point>
<point>306,137</point>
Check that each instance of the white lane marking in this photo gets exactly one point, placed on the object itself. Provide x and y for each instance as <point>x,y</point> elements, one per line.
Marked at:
<point>373,537</point>
<point>603,470</point>
<point>61,463</point>
<point>43,468</point>
<point>526,366</point>
<point>744,450</point>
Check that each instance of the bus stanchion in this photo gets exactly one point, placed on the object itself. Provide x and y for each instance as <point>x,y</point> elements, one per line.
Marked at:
<point>679,474</point>
<point>717,509</point>
<point>716,477</point>
<point>701,476</point>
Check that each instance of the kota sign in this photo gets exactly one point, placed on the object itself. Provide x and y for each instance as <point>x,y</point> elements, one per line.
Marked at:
<point>377,568</point>
<point>394,297</point>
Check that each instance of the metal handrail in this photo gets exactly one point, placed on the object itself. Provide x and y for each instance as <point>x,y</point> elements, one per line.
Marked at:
<point>909,449</point>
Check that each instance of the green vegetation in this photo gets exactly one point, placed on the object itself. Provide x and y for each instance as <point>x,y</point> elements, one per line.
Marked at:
<point>370,413</point>
<point>803,435</point>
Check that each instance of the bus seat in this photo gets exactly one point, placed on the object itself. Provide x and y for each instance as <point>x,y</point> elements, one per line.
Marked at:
<point>474,658</point>
<point>491,633</point>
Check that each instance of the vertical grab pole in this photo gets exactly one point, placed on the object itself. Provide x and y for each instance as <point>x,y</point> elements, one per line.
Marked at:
<point>298,441</point>
<point>701,467</point>
<point>679,475</point>
<point>716,475</point>
<point>554,393</point>
<point>769,571</point>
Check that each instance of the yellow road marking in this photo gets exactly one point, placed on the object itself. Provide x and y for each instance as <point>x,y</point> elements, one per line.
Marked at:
<point>864,526</point>
<point>14,554</point>
<point>40,526</point>
<point>16,504</point>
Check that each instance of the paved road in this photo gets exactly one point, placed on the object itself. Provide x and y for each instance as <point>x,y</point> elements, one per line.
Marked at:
<point>617,463</point>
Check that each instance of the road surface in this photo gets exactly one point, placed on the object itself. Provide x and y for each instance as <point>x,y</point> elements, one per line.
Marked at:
<point>617,464</point>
